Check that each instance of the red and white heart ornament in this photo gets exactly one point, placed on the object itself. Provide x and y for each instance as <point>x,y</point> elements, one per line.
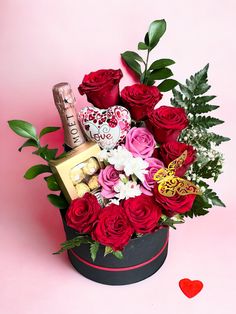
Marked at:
<point>107,127</point>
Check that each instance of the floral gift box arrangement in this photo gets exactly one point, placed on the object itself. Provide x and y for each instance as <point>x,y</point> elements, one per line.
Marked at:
<point>134,164</point>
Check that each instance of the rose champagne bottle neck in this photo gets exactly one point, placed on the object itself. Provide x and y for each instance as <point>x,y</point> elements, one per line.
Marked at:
<point>65,103</point>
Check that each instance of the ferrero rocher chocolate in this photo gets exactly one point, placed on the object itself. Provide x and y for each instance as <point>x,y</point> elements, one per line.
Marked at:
<point>93,182</point>
<point>69,170</point>
<point>65,103</point>
<point>81,189</point>
<point>91,166</point>
<point>77,174</point>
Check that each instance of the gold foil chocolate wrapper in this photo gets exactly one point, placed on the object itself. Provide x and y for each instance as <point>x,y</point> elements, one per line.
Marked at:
<point>77,174</point>
<point>91,166</point>
<point>93,182</point>
<point>65,102</point>
<point>81,189</point>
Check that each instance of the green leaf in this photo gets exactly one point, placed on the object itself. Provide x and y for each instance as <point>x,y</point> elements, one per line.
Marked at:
<point>93,250</point>
<point>199,207</point>
<point>203,99</point>
<point>156,31</point>
<point>46,153</point>
<point>206,122</point>
<point>23,128</point>
<point>35,171</point>
<point>186,91</point>
<point>178,100</point>
<point>108,250</point>
<point>167,85</point>
<point>30,142</point>
<point>52,183</point>
<point>48,130</point>
<point>206,139</point>
<point>132,55</point>
<point>218,139</point>
<point>202,89</point>
<point>202,108</point>
<point>161,63</point>
<point>131,62</point>
<point>142,46</point>
<point>197,83</point>
<point>72,243</point>
<point>160,74</point>
<point>118,254</point>
<point>146,39</point>
<point>171,222</point>
<point>58,201</point>
<point>210,194</point>
<point>62,155</point>
<point>210,169</point>
<point>197,80</point>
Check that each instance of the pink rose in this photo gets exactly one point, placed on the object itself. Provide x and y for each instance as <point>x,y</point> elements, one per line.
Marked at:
<point>140,142</point>
<point>148,183</point>
<point>108,178</point>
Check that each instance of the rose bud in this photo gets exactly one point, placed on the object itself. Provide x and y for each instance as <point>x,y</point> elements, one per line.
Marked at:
<point>139,99</point>
<point>172,150</point>
<point>101,88</point>
<point>140,142</point>
<point>143,213</point>
<point>177,204</point>
<point>82,213</point>
<point>149,182</point>
<point>166,123</point>
<point>113,227</point>
<point>108,178</point>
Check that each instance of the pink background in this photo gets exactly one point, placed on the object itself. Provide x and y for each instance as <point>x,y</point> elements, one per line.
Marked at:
<point>48,41</point>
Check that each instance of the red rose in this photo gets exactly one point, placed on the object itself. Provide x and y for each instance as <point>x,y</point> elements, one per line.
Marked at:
<point>143,213</point>
<point>166,123</point>
<point>101,88</point>
<point>82,213</point>
<point>139,99</point>
<point>113,227</point>
<point>172,150</point>
<point>175,204</point>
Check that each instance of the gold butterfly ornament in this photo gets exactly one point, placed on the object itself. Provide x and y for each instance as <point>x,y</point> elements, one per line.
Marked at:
<point>169,184</point>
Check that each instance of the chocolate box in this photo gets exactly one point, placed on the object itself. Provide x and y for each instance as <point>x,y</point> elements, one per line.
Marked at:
<point>77,172</point>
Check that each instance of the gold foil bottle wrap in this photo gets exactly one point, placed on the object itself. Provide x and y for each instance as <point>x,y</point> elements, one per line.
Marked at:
<point>65,103</point>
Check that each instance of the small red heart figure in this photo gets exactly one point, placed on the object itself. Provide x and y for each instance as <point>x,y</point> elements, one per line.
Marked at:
<point>190,287</point>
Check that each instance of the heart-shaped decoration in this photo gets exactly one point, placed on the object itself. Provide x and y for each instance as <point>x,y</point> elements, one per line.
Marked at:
<point>190,287</point>
<point>107,127</point>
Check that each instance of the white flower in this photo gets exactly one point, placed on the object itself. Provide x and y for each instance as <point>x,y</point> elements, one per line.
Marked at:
<point>103,155</point>
<point>127,190</point>
<point>136,166</point>
<point>119,158</point>
<point>114,201</point>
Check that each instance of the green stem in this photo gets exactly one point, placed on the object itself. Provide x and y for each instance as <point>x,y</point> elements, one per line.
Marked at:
<point>146,66</point>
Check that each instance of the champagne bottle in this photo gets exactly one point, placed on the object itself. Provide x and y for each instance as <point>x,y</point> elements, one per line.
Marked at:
<point>65,103</point>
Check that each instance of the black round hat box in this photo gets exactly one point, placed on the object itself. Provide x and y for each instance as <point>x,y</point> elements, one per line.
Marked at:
<point>143,256</point>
